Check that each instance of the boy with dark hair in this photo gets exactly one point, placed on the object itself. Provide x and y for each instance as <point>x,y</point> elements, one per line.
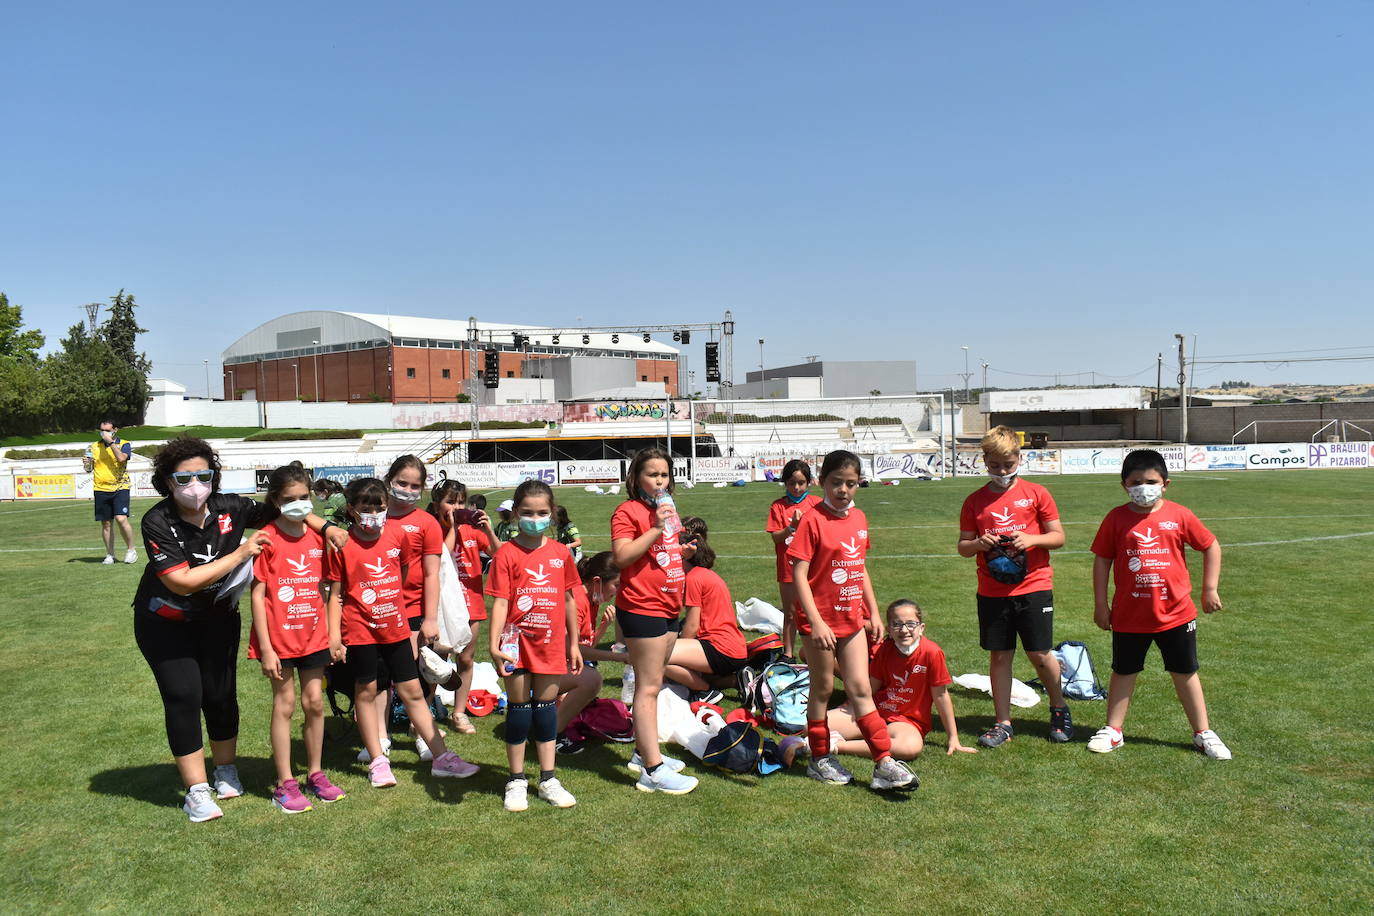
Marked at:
<point>1142,543</point>
<point>1011,525</point>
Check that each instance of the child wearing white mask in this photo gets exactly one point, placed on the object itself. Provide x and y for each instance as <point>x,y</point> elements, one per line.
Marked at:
<point>1142,543</point>
<point>1010,525</point>
<point>909,675</point>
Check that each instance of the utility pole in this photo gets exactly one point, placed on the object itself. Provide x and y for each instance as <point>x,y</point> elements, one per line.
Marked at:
<point>1159,377</point>
<point>985,376</point>
<point>92,313</point>
<point>475,390</point>
<point>967,375</point>
<point>1182,393</point>
<point>207,378</point>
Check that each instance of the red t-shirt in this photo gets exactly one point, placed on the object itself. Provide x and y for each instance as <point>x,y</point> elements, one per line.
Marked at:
<point>1024,506</point>
<point>291,569</point>
<point>835,547</point>
<point>425,538</point>
<point>651,585</point>
<point>778,515</point>
<point>534,583</point>
<point>1153,589</point>
<point>906,681</point>
<point>469,544</point>
<point>718,625</point>
<point>585,622</point>
<point>369,577</point>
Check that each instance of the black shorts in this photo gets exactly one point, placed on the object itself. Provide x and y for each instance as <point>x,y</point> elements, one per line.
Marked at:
<point>397,656</point>
<point>1177,649</point>
<point>109,505</point>
<point>415,622</point>
<point>642,626</point>
<point>719,662</point>
<point>1030,616</point>
<point>318,659</point>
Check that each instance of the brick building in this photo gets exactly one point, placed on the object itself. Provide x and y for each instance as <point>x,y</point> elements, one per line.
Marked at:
<point>357,357</point>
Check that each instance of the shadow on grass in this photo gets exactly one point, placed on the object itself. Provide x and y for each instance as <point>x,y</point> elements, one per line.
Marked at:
<point>1039,730</point>
<point>95,560</point>
<point>154,783</point>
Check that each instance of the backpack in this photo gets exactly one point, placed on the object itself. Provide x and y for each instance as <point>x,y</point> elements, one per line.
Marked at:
<point>1005,563</point>
<point>735,748</point>
<point>778,692</point>
<point>763,651</point>
<point>603,718</point>
<point>1077,676</point>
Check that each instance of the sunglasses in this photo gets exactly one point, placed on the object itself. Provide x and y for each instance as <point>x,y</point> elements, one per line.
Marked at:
<point>182,478</point>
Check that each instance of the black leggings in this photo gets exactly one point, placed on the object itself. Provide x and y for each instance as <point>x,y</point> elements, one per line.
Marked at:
<point>195,665</point>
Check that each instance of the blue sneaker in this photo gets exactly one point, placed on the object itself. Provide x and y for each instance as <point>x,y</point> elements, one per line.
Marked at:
<point>667,780</point>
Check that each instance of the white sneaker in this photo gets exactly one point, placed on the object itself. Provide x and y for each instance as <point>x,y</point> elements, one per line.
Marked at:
<point>891,773</point>
<point>1106,740</point>
<point>227,782</point>
<point>552,791</point>
<point>199,805</point>
<point>425,753</point>
<point>517,795</point>
<point>666,780</point>
<point>1208,742</point>
<point>627,686</point>
<point>108,561</point>
<point>636,765</point>
<point>131,556</point>
<point>365,757</point>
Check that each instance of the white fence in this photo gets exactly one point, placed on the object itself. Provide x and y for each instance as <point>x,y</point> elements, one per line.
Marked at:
<point>244,475</point>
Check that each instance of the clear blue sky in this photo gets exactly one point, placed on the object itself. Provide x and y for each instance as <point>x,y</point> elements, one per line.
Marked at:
<point>1059,186</point>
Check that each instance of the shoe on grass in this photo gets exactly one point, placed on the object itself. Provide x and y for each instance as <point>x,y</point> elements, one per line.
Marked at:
<point>1061,724</point>
<point>890,773</point>
<point>552,791</point>
<point>200,804</point>
<point>996,736</point>
<point>365,757</point>
<point>710,695</point>
<point>289,797</point>
<point>828,769</point>
<point>450,764</point>
<point>1208,742</point>
<point>566,747</point>
<point>423,749</point>
<point>108,561</point>
<point>1107,740</point>
<point>666,780</point>
<point>636,765</point>
<point>462,724</point>
<point>379,773</point>
<point>318,785</point>
<point>517,794</point>
<point>227,782</point>
<point>131,556</point>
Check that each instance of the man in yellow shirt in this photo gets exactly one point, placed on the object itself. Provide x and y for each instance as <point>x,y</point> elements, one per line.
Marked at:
<point>108,460</point>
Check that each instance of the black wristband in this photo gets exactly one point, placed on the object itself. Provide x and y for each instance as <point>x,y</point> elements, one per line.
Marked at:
<point>327,525</point>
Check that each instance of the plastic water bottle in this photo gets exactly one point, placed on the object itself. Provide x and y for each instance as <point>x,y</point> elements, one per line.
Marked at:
<point>670,524</point>
<point>510,645</point>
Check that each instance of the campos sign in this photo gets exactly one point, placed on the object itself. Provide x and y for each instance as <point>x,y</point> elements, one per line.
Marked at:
<point>1288,455</point>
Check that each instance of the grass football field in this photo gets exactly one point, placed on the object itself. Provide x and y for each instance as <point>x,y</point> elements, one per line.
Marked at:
<point>88,796</point>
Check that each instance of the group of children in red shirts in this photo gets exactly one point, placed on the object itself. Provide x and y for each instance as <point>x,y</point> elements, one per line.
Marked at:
<point>543,623</point>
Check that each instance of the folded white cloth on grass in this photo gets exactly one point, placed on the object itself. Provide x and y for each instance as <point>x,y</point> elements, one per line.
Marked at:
<point>758,615</point>
<point>1022,694</point>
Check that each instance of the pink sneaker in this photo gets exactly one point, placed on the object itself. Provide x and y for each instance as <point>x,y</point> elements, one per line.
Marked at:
<point>450,764</point>
<point>289,798</point>
<point>318,785</point>
<point>379,772</point>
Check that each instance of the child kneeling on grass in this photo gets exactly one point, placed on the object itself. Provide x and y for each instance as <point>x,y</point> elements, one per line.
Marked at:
<point>909,674</point>
<point>1142,543</point>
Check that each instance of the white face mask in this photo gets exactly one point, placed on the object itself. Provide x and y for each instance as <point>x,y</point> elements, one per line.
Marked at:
<point>1145,494</point>
<point>1002,480</point>
<point>907,650</point>
<point>372,522</point>
<point>297,509</point>
<point>193,495</point>
<point>409,497</point>
<point>840,512</point>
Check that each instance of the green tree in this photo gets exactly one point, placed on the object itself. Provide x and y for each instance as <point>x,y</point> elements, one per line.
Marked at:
<point>21,383</point>
<point>121,332</point>
<point>86,381</point>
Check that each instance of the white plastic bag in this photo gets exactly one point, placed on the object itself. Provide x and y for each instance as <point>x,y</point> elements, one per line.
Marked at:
<point>758,615</point>
<point>1022,694</point>
<point>455,627</point>
<point>484,678</point>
